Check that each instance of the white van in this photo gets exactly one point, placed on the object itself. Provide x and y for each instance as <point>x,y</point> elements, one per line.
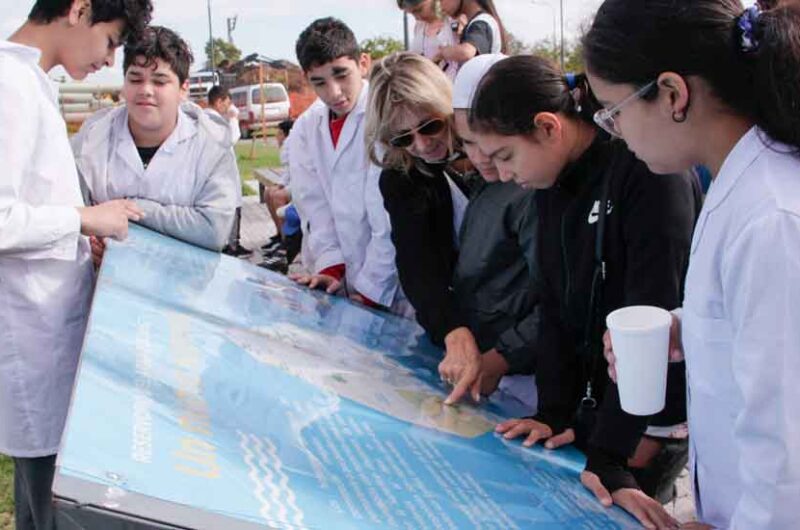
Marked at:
<point>200,83</point>
<point>248,100</point>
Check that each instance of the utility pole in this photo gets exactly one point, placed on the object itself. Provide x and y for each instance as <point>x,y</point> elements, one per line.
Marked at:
<point>405,31</point>
<point>231,26</point>
<point>562,34</point>
<point>211,62</point>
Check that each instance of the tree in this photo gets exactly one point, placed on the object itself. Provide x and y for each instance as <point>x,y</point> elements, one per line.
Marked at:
<point>573,54</point>
<point>515,46</point>
<point>223,51</point>
<point>380,47</point>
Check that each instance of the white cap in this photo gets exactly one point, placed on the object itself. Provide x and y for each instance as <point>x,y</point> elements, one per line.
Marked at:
<point>469,76</point>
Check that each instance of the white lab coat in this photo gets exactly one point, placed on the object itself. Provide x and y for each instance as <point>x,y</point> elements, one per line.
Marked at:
<point>191,188</point>
<point>741,335</point>
<point>232,122</point>
<point>45,266</point>
<point>337,196</point>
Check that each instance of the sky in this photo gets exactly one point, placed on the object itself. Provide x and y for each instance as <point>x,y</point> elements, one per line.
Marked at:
<point>270,27</point>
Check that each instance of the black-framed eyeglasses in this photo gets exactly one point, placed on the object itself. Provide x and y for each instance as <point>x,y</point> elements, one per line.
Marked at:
<point>429,128</point>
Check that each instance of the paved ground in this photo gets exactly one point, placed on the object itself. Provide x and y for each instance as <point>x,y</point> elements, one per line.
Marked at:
<point>257,228</point>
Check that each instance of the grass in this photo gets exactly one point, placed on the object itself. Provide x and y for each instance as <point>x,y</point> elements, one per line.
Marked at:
<point>6,493</point>
<point>263,156</point>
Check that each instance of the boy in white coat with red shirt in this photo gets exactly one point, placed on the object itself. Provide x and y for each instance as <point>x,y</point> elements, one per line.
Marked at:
<point>334,186</point>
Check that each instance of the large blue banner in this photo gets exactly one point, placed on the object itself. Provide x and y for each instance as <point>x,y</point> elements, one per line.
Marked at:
<point>214,394</point>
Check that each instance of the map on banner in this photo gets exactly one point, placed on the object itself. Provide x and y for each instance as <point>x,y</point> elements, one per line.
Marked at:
<point>214,394</point>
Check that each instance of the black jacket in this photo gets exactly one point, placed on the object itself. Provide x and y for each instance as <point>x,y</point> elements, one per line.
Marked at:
<point>420,209</point>
<point>487,286</point>
<point>646,245</point>
<point>494,276</point>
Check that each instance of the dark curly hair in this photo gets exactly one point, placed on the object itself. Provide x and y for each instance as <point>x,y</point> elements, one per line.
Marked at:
<point>324,41</point>
<point>157,42</point>
<point>134,14</point>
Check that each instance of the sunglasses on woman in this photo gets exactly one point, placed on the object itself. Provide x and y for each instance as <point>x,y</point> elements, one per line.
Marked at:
<point>429,128</point>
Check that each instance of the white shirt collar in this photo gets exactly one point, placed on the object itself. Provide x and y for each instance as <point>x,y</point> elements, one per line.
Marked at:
<point>28,53</point>
<point>742,156</point>
<point>32,56</point>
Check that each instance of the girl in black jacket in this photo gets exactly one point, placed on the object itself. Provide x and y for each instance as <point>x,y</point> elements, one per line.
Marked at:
<point>611,234</point>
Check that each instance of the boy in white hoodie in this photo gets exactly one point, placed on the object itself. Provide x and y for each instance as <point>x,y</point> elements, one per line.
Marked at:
<point>162,152</point>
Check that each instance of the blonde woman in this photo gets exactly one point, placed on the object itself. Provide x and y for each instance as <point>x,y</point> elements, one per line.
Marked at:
<point>433,30</point>
<point>409,133</point>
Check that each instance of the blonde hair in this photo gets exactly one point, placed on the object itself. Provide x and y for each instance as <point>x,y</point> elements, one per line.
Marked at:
<point>399,83</point>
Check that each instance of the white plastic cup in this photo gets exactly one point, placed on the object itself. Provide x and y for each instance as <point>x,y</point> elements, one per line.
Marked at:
<point>640,338</point>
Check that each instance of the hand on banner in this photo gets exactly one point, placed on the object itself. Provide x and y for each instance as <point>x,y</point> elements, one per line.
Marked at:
<point>109,219</point>
<point>318,281</point>
<point>675,347</point>
<point>98,249</point>
<point>461,366</point>
<point>535,431</point>
<point>646,510</point>
<point>493,367</point>
<point>359,298</point>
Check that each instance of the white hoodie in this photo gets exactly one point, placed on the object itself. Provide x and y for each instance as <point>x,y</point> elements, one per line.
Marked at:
<point>190,189</point>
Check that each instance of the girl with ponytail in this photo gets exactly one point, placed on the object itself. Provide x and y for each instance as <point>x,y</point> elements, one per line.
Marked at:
<point>707,82</point>
<point>483,33</point>
<point>610,234</point>
<point>432,30</point>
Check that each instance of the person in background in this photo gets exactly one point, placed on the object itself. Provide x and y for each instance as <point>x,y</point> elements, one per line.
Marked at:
<point>220,108</point>
<point>432,31</point>
<point>279,195</point>
<point>47,277</point>
<point>483,33</point>
<point>280,253</point>
<point>724,95</point>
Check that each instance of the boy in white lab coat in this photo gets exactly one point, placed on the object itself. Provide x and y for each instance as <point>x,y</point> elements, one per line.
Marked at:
<point>45,267</point>
<point>161,151</point>
<point>334,187</point>
<point>220,108</point>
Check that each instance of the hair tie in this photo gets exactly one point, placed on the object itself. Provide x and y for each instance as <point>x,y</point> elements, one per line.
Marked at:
<point>572,81</point>
<point>747,24</point>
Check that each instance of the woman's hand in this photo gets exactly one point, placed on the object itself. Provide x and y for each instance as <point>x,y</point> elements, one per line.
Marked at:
<point>461,366</point>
